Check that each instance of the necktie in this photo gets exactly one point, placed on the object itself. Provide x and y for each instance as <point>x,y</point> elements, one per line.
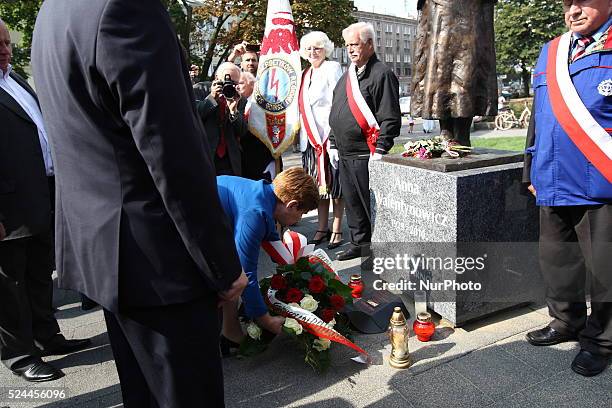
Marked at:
<point>222,146</point>
<point>580,47</point>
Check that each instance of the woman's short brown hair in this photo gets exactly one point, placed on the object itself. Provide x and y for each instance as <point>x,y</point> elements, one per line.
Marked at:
<point>295,184</point>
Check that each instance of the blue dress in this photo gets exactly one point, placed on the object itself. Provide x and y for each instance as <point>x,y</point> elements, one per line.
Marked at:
<point>250,207</point>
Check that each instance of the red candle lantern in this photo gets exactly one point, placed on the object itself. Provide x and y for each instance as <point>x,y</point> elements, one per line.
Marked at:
<point>423,327</point>
<point>357,285</point>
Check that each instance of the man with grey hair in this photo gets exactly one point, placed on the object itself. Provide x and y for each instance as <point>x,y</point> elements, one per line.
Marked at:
<point>223,120</point>
<point>365,118</point>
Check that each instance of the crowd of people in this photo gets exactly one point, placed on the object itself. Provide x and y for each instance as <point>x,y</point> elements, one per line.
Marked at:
<point>161,197</point>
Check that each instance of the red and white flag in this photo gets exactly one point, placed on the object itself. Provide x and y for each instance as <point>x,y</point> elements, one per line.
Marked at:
<point>274,115</point>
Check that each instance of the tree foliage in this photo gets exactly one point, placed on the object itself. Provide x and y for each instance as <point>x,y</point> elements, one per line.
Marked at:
<point>247,22</point>
<point>522,27</point>
<point>217,24</point>
<point>20,16</point>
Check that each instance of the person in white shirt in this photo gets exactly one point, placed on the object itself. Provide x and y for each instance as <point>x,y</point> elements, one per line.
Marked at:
<point>318,83</point>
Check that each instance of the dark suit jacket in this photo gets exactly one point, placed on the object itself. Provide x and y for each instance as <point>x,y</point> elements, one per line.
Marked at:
<point>139,221</point>
<point>24,190</point>
<point>209,112</point>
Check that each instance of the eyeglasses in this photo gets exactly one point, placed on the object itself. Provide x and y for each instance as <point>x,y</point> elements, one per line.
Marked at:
<point>314,49</point>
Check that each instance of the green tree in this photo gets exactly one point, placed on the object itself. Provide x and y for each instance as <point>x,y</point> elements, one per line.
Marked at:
<point>226,23</point>
<point>522,27</point>
<point>21,16</point>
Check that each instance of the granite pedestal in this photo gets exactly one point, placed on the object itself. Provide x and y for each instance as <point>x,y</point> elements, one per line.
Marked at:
<point>446,212</point>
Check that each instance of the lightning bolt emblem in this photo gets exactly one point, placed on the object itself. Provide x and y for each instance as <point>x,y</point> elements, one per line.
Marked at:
<point>273,83</point>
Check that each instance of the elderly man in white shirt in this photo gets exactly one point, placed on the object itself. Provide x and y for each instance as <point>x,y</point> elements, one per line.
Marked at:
<point>28,329</point>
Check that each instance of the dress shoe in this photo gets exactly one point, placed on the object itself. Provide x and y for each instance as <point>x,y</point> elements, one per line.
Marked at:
<point>38,371</point>
<point>334,245</point>
<point>548,336</point>
<point>228,347</point>
<point>351,253</point>
<point>66,347</point>
<point>326,236</point>
<point>589,364</point>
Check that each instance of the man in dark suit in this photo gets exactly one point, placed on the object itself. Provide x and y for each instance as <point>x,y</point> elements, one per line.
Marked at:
<point>140,229</point>
<point>28,329</point>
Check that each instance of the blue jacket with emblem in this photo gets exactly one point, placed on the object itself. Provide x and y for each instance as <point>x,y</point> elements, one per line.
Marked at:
<point>560,173</point>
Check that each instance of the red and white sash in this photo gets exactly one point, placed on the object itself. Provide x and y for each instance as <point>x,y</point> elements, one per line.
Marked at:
<point>312,131</point>
<point>360,109</point>
<point>575,119</point>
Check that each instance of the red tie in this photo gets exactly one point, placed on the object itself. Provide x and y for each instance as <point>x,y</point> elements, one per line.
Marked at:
<point>222,146</point>
<point>580,47</point>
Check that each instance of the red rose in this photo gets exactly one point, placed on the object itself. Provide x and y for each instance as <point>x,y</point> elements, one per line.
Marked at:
<point>316,284</point>
<point>327,315</point>
<point>336,301</point>
<point>278,282</point>
<point>294,295</point>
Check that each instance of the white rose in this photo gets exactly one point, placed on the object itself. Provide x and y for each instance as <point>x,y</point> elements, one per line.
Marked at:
<point>321,344</point>
<point>293,325</point>
<point>309,303</point>
<point>254,331</point>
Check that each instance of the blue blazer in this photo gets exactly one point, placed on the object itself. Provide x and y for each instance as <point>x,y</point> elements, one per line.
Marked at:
<point>250,207</point>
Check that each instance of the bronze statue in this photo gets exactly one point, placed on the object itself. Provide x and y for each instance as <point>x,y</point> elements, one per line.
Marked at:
<point>454,76</point>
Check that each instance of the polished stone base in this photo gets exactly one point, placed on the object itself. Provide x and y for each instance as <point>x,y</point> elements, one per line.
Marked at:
<point>468,225</point>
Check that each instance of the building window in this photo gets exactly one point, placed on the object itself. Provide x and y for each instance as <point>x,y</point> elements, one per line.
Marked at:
<point>406,58</point>
<point>378,25</point>
<point>389,42</point>
<point>398,29</point>
<point>378,41</point>
<point>405,44</point>
<point>398,58</point>
<point>406,30</point>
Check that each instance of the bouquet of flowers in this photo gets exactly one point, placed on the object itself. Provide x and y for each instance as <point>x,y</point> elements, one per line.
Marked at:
<point>434,147</point>
<point>310,295</point>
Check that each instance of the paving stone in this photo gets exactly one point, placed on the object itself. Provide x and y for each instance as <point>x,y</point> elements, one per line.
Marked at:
<point>441,387</point>
<point>495,372</point>
<point>567,389</point>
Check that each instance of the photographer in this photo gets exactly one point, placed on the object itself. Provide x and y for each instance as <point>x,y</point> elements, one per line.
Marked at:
<point>223,119</point>
<point>249,61</point>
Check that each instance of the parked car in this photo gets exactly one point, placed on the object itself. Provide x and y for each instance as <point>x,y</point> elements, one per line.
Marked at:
<point>405,105</point>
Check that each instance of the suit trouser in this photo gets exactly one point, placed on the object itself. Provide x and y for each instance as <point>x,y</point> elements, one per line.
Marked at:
<point>168,356</point>
<point>355,183</point>
<point>575,248</point>
<point>26,290</point>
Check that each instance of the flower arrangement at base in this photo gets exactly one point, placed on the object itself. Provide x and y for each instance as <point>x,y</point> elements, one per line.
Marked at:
<point>310,295</point>
<point>434,147</point>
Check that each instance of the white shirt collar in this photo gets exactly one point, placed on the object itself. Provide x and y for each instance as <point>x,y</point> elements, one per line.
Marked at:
<point>8,71</point>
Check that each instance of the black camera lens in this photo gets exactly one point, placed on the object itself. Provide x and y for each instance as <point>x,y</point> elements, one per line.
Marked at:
<point>229,89</point>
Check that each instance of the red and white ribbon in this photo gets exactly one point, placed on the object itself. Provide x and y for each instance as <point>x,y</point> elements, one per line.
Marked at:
<point>360,109</point>
<point>293,246</point>
<point>575,119</point>
<point>309,126</point>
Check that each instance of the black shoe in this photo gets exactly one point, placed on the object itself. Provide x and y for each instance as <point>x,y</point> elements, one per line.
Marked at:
<point>66,347</point>
<point>548,336</point>
<point>87,303</point>
<point>351,253</point>
<point>334,245</point>
<point>38,371</point>
<point>589,364</point>
<point>323,238</point>
<point>228,348</point>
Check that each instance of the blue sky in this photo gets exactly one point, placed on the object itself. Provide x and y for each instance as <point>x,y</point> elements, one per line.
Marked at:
<point>393,7</point>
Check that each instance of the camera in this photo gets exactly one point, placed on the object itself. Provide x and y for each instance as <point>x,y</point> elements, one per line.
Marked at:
<point>228,88</point>
<point>252,48</point>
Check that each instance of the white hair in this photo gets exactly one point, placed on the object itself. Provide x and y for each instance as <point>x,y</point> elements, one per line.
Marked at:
<point>227,66</point>
<point>316,39</point>
<point>365,30</point>
<point>248,77</point>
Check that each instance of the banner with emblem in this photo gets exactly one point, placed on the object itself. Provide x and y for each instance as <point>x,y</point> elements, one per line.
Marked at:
<point>274,115</point>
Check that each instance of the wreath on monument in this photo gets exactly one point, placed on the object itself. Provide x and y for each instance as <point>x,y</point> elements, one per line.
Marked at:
<point>434,147</point>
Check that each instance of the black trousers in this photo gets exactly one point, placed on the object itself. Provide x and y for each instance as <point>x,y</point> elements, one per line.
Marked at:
<point>575,248</point>
<point>26,290</point>
<point>168,356</point>
<point>355,184</point>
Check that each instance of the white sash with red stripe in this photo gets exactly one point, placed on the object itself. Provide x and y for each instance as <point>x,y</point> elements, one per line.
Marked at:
<point>309,125</point>
<point>286,252</point>
<point>360,109</point>
<point>589,136</point>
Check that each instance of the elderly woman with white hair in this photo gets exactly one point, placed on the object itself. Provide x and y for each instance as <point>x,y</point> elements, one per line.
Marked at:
<point>316,92</point>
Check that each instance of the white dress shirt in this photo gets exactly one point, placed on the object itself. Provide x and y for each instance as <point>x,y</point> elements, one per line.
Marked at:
<point>30,106</point>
